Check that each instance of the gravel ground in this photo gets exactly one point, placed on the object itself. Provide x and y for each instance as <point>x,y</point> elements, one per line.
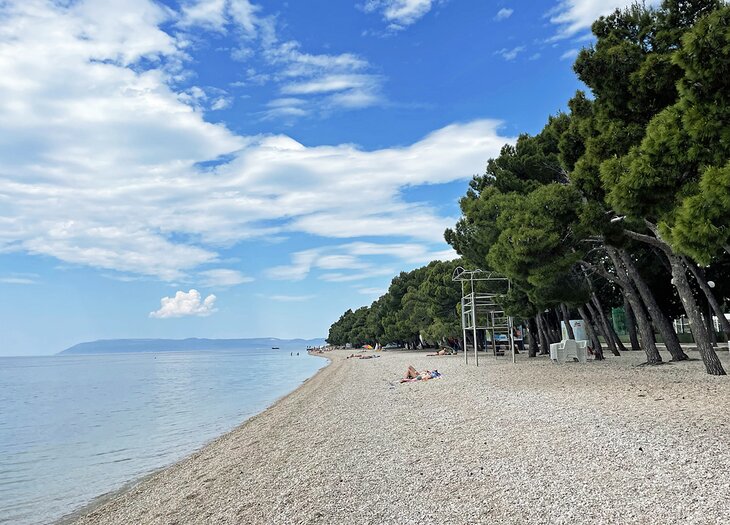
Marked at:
<point>602,442</point>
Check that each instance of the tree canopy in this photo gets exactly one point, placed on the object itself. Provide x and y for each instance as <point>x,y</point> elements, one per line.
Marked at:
<point>615,202</point>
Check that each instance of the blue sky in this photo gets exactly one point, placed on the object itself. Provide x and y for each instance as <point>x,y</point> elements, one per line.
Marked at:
<point>241,168</point>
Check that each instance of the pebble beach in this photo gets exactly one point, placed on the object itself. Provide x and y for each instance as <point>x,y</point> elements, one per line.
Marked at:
<point>531,442</point>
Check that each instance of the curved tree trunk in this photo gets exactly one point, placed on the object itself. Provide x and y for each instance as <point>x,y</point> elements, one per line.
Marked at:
<point>566,320</point>
<point>697,326</point>
<point>610,332</point>
<point>599,316</point>
<point>681,283</point>
<point>642,319</point>
<point>645,329</point>
<point>595,342</point>
<point>597,327</point>
<point>661,323</point>
<point>532,331</point>
<point>619,343</point>
<point>702,282</point>
<point>631,326</point>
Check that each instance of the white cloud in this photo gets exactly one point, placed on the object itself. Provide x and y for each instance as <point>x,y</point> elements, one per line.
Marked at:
<point>400,13</point>
<point>340,277</point>
<point>102,160</point>
<point>222,278</point>
<point>184,305</point>
<point>503,14</point>
<point>339,81</point>
<point>221,103</point>
<point>19,278</point>
<point>357,261</point>
<point>510,54</point>
<point>339,262</point>
<point>574,16</point>
<point>327,84</point>
<point>569,54</point>
<point>204,13</point>
<point>286,102</point>
<point>372,291</point>
<point>217,14</point>
<point>300,267</point>
<point>291,298</point>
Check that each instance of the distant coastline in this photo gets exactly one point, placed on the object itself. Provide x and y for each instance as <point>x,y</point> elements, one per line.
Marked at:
<point>110,346</point>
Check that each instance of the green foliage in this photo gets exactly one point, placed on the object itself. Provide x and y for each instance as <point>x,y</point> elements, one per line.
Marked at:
<point>651,142</point>
<point>536,246</point>
<point>702,223</point>
<point>676,174</point>
<point>420,303</point>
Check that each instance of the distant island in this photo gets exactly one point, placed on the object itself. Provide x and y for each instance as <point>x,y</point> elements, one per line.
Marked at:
<point>111,346</point>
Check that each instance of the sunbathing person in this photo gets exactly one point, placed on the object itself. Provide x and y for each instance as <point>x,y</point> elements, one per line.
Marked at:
<point>443,351</point>
<point>411,372</point>
<point>414,375</point>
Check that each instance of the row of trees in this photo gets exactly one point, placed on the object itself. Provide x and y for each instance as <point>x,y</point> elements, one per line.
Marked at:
<point>625,198</point>
<point>419,306</point>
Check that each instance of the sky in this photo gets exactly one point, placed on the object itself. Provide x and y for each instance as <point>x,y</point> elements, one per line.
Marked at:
<point>250,168</point>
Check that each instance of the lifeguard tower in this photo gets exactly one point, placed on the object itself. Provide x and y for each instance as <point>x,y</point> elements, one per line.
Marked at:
<point>481,311</point>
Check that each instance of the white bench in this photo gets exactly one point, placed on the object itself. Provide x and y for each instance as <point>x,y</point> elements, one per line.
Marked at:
<point>569,349</point>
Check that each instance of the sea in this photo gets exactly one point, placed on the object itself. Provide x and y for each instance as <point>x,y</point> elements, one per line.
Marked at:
<point>75,427</point>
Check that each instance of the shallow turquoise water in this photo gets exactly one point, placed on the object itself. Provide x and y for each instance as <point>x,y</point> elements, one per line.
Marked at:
<point>75,427</point>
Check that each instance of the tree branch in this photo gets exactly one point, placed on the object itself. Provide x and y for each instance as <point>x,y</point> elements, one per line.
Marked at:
<point>600,270</point>
<point>648,239</point>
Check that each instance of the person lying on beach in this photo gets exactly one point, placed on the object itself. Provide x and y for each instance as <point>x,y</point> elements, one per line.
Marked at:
<point>354,355</point>
<point>443,351</point>
<point>414,375</point>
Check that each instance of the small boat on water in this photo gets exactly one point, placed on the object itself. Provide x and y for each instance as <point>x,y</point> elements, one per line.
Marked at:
<point>274,347</point>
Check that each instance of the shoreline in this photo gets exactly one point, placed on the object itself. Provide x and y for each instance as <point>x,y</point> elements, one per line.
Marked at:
<point>527,443</point>
<point>102,499</point>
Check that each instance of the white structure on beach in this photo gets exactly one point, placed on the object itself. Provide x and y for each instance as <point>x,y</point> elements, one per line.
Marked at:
<point>481,310</point>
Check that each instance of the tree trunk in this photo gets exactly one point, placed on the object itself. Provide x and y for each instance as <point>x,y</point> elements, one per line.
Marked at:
<point>631,326</point>
<point>597,314</point>
<point>645,329</point>
<point>596,325</point>
<point>544,340</point>
<point>595,342</point>
<point>642,319</point>
<point>702,282</point>
<point>608,325</point>
<point>619,343</point>
<point>698,328</point>
<point>681,283</point>
<point>707,314</point>
<point>532,332</point>
<point>657,316</point>
<point>555,325</point>
<point>566,320</point>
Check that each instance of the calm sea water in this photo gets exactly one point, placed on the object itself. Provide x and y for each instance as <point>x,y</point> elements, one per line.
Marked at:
<point>75,427</point>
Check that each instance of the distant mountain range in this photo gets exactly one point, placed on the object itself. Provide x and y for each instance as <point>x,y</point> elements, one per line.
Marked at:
<point>111,346</point>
